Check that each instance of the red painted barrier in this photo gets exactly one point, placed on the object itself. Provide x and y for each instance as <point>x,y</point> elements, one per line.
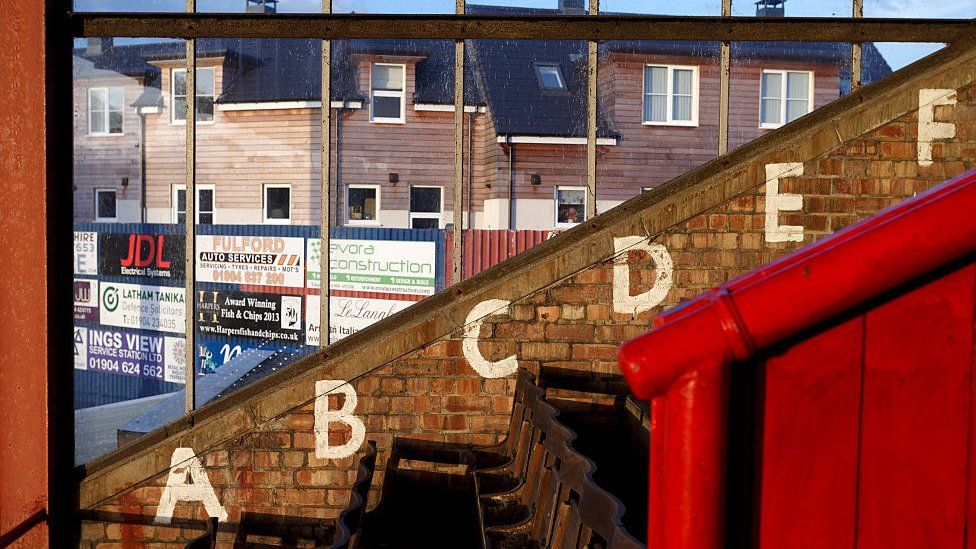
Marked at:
<point>682,367</point>
<point>484,248</point>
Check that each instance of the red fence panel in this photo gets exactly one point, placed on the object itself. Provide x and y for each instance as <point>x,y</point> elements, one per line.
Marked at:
<point>484,248</point>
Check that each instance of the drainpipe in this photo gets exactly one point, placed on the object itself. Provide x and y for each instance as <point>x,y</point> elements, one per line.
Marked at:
<point>511,187</point>
<point>338,165</point>
<point>471,170</point>
<point>142,164</point>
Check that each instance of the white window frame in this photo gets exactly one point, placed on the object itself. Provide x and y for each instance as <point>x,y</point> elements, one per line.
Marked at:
<point>559,76</point>
<point>386,93</point>
<point>264,204</point>
<point>196,209</point>
<point>695,94</point>
<point>782,98</point>
<point>439,216</point>
<point>172,97</point>
<point>367,222</point>
<point>108,110</point>
<point>555,203</point>
<point>107,219</point>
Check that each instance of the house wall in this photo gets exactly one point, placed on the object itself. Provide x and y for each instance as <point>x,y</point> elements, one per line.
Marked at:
<point>244,150</point>
<point>101,162</point>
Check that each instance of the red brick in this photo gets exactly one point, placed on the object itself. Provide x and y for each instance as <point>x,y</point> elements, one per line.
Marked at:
<point>594,350</point>
<point>549,313</point>
<point>522,311</point>
<point>466,404</point>
<point>544,351</point>
<point>569,332</point>
<point>443,386</point>
<point>597,312</point>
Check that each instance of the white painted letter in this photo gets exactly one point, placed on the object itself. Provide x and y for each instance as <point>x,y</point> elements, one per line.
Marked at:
<point>188,481</point>
<point>324,417</point>
<point>928,128</point>
<point>625,303</point>
<point>776,203</point>
<point>469,343</point>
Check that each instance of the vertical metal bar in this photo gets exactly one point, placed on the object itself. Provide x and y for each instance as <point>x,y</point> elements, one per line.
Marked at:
<point>458,148</point>
<point>725,79</point>
<point>591,120</point>
<point>326,207</point>
<point>191,217</point>
<point>856,49</point>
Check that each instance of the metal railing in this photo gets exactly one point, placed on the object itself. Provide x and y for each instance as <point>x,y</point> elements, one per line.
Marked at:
<point>460,26</point>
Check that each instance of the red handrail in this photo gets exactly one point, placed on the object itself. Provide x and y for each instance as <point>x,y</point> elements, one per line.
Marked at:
<point>681,366</point>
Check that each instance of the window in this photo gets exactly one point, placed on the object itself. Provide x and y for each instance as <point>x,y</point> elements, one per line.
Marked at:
<point>386,85</point>
<point>205,95</point>
<point>785,96</point>
<point>363,205</point>
<point>204,207</point>
<point>550,77</point>
<point>426,205</point>
<point>670,95</point>
<point>105,205</point>
<point>105,111</point>
<point>570,206</point>
<point>277,204</point>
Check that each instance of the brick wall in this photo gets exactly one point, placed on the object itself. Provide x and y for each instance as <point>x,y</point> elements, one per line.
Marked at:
<point>566,304</point>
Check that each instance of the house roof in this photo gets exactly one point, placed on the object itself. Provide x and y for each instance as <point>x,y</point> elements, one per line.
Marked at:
<point>498,73</point>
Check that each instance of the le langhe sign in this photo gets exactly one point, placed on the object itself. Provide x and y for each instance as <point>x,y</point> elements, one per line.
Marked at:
<point>347,315</point>
<point>251,260</point>
<point>387,266</point>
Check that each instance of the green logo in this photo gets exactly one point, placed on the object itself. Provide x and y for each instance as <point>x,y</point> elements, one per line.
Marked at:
<point>110,298</point>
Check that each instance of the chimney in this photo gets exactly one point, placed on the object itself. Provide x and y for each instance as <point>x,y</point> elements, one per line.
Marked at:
<point>261,6</point>
<point>97,46</point>
<point>577,7</point>
<point>770,8</point>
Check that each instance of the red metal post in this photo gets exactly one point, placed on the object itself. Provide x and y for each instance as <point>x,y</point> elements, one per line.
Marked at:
<point>23,270</point>
<point>689,509</point>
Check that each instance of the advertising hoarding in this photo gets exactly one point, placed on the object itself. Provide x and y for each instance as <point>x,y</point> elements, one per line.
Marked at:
<point>157,308</point>
<point>142,255</point>
<point>252,260</point>
<point>347,315</point>
<point>387,266</point>
<point>269,317</point>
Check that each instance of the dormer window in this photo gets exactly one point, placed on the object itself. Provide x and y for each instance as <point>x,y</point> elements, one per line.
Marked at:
<point>550,77</point>
<point>670,95</point>
<point>204,100</point>
<point>387,83</point>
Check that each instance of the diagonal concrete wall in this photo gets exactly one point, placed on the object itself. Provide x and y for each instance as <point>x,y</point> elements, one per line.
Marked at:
<point>442,370</point>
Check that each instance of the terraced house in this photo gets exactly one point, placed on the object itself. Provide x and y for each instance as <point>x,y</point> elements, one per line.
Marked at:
<point>259,141</point>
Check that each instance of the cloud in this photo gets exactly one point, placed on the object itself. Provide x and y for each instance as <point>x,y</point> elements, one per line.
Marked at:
<point>964,9</point>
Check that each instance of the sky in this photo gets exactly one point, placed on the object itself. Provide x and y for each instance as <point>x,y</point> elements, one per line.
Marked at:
<point>898,55</point>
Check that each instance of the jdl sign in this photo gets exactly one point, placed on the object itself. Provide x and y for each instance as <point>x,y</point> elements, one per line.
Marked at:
<point>143,255</point>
